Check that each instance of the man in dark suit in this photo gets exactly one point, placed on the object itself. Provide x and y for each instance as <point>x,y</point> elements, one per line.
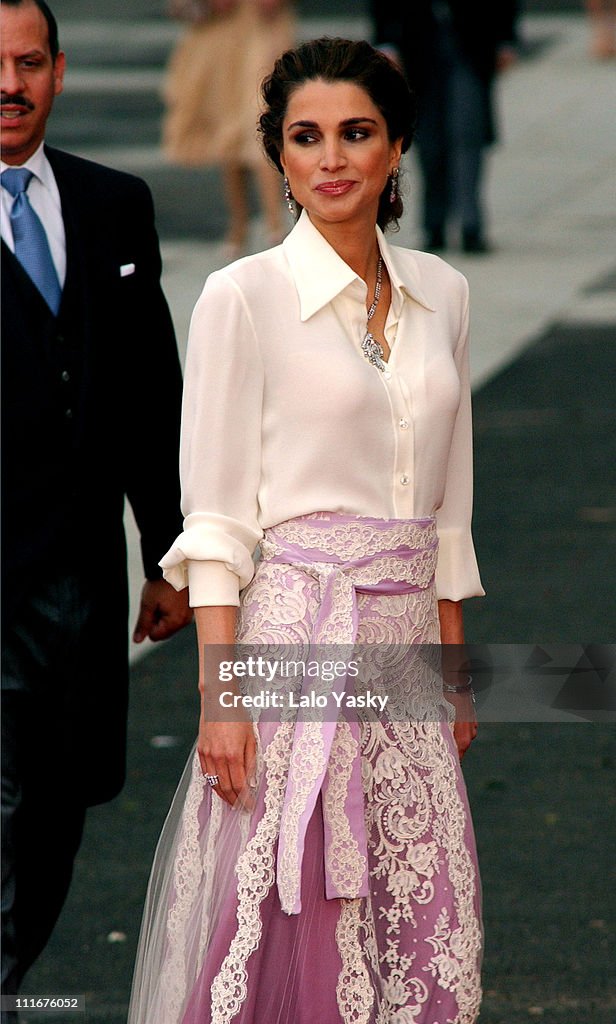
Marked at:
<point>451,51</point>
<point>91,398</point>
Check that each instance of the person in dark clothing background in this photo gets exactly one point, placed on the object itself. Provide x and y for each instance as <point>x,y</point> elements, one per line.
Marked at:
<point>91,391</point>
<point>451,51</point>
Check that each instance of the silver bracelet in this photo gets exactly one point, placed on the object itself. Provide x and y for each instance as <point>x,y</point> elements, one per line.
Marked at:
<point>466,687</point>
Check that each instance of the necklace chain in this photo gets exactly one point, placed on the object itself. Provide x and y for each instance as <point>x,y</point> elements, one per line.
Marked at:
<point>377,288</point>
<point>371,348</point>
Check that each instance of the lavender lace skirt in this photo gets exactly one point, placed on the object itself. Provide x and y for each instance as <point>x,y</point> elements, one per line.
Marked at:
<point>215,944</point>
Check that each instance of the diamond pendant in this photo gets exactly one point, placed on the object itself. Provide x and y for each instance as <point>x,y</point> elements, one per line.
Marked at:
<point>373,351</point>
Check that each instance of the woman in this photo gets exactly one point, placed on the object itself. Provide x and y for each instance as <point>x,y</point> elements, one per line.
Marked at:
<point>325,871</point>
<point>211,92</point>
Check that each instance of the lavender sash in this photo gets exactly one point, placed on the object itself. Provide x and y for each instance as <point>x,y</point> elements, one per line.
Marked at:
<point>348,555</point>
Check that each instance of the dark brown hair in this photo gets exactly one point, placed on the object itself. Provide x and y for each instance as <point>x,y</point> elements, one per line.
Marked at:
<point>52,25</point>
<point>340,60</point>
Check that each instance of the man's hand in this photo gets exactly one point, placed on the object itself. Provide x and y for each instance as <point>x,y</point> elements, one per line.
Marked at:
<point>163,611</point>
<point>222,6</point>
<point>506,57</point>
<point>268,8</point>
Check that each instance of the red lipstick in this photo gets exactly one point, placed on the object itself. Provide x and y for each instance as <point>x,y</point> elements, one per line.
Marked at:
<point>335,188</point>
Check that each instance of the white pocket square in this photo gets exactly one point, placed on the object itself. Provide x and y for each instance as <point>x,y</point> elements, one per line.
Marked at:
<point>127,269</point>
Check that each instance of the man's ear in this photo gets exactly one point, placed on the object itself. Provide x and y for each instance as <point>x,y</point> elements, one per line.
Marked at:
<point>59,67</point>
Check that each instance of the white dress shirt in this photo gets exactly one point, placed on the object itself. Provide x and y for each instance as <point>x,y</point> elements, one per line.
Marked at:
<point>284,416</point>
<point>44,198</point>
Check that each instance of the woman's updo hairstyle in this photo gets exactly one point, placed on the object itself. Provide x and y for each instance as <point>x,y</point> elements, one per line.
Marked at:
<point>340,60</point>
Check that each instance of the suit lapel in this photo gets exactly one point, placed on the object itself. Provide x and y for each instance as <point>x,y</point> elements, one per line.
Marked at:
<point>75,306</point>
<point>22,280</point>
<point>75,249</point>
<point>34,316</point>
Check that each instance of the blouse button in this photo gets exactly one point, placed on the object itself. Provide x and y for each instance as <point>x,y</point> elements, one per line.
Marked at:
<point>404,479</point>
<point>403,424</point>
<point>387,374</point>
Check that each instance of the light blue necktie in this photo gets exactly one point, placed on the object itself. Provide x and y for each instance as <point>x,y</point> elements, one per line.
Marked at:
<point>31,244</point>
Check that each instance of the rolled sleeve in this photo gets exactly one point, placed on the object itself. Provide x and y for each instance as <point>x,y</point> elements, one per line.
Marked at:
<point>220,452</point>
<point>212,583</point>
<point>215,548</point>
<point>457,574</point>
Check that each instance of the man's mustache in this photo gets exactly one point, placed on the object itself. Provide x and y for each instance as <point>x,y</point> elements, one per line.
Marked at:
<point>17,100</point>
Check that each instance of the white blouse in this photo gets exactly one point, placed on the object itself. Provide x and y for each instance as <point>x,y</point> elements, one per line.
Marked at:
<point>283,415</point>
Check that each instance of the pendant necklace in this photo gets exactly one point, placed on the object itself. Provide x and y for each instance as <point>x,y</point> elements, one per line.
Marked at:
<point>372,349</point>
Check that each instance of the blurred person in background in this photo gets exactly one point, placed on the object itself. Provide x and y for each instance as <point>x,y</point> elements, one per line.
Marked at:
<point>211,93</point>
<point>91,391</point>
<point>451,51</point>
<point>602,19</point>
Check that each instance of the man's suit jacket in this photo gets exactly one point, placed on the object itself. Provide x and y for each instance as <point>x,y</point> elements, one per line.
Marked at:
<point>91,405</point>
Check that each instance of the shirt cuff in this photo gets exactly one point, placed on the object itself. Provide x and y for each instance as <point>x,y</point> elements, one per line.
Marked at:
<point>211,584</point>
<point>457,575</point>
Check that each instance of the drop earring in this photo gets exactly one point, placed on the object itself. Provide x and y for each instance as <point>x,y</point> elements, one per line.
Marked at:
<point>394,188</point>
<point>288,197</point>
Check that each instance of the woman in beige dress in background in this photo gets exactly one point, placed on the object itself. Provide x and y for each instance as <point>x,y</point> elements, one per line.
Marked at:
<point>211,95</point>
<point>602,21</point>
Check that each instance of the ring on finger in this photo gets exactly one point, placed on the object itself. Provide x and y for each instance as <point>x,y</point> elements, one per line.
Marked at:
<point>212,780</point>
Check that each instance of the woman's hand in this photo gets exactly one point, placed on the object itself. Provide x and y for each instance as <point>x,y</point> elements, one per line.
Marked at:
<point>228,750</point>
<point>455,673</point>
<point>465,725</point>
<point>226,743</point>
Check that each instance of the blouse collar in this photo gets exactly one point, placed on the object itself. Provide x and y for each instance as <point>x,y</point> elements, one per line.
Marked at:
<point>320,274</point>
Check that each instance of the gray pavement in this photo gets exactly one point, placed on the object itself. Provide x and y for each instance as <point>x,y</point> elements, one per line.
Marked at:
<point>544,337</point>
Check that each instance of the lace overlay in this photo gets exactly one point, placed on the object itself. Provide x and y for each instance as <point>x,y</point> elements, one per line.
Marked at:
<point>409,952</point>
<point>209,860</point>
<point>354,992</point>
<point>255,876</point>
<point>346,863</point>
<point>417,824</point>
<point>348,537</point>
<point>307,763</point>
<point>186,880</point>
